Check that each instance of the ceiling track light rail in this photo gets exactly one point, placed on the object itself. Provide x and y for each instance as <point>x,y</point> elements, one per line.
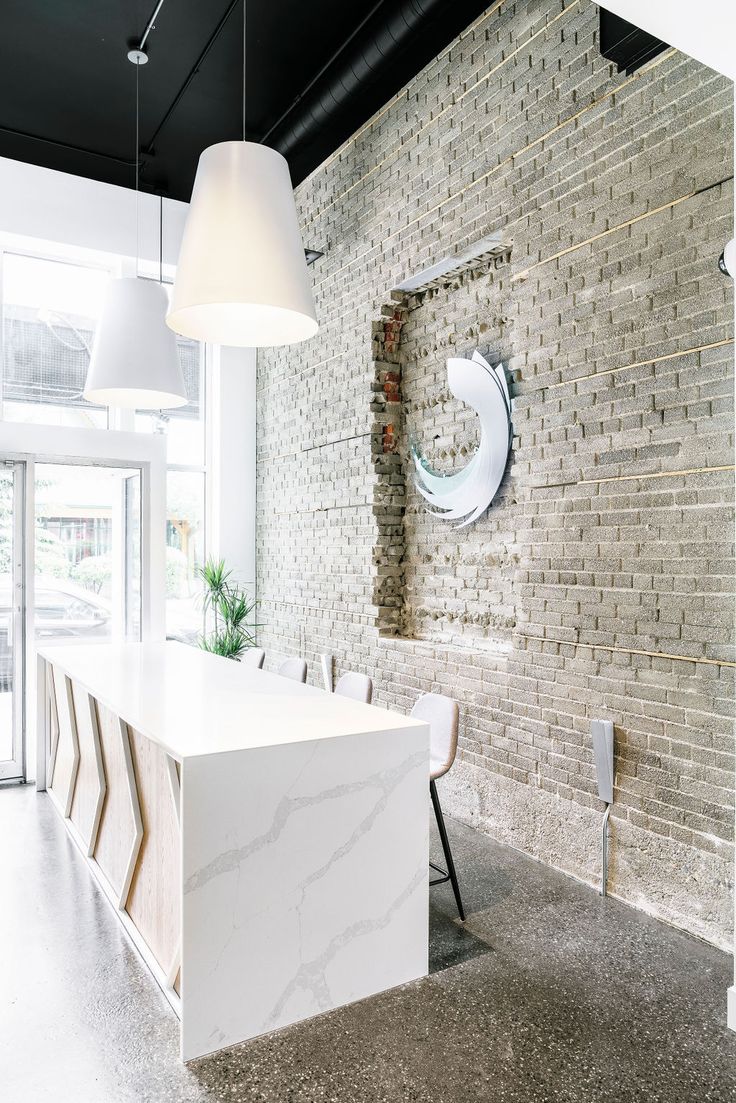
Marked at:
<point>150,24</point>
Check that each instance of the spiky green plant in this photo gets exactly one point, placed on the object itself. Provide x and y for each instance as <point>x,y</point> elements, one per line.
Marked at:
<point>232,611</point>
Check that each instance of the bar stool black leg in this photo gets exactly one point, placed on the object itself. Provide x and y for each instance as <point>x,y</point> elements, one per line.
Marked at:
<point>446,848</point>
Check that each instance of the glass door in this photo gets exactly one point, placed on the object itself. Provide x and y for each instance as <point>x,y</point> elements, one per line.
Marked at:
<point>87,582</point>
<point>12,608</point>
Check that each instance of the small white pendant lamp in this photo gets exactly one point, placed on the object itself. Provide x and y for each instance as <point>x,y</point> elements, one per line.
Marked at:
<point>242,276</point>
<point>134,362</point>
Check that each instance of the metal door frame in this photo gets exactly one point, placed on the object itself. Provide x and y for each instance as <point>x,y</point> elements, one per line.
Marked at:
<point>14,768</point>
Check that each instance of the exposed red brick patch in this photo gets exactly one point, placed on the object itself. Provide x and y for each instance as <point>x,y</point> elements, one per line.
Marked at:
<point>391,387</point>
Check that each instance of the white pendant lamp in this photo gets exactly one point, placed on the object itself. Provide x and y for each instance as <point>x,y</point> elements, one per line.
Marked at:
<point>135,362</point>
<point>242,276</point>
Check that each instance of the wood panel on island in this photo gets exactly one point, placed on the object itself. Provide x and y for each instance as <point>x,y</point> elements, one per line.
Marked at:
<point>119,793</point>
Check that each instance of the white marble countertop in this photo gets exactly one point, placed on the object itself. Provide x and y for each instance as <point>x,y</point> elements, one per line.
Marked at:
<point>192,703</point>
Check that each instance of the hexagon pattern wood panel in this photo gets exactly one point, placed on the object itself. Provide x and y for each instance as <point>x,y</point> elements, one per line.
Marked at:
<point>53,719</point>
<point>89,791</point>
<point>66,753</point>
<point>154,900</point>
<point>121,795</point>
<point>120,830</point>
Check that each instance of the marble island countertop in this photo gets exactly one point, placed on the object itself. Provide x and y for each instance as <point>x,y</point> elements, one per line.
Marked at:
<point>192,703</point>
<point>264,843</point>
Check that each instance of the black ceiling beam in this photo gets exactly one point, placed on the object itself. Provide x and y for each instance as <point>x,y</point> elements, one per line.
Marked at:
<point>149,149</point>
<point>67,145</point>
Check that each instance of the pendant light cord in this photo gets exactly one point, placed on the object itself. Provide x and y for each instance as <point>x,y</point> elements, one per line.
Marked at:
<point>137,147</point>
<point>244,57</point>
<point>161,239</point>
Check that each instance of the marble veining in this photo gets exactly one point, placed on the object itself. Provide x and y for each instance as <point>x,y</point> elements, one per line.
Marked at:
<point>233,859</point>
<point>314,895</point>
<point>311,975</point>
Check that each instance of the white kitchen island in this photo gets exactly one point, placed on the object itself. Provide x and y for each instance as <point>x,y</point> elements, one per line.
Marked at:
<point>265,843</point>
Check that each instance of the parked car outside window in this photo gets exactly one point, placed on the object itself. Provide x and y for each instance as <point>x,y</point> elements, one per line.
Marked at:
<point>63,611</point>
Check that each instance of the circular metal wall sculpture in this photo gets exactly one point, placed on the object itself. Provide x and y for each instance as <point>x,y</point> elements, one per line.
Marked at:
<point>465,495</point>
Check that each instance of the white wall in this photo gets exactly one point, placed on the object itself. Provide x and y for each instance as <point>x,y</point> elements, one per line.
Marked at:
<point>55,207</point>
<point>705,31</point>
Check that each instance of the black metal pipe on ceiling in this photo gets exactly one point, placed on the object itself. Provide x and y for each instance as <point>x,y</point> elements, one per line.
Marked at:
<point>371,54</point>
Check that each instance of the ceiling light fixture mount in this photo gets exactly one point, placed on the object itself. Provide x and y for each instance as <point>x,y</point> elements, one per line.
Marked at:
<point>137,53</point>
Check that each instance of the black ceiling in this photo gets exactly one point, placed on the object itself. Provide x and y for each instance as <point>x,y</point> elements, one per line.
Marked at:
<point>67,91</point>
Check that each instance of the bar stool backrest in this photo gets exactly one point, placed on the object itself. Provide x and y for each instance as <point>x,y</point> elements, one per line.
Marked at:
<point>442,714</point>
<point>357,686</point>
<point>294,668</point>
<point>254,656</point>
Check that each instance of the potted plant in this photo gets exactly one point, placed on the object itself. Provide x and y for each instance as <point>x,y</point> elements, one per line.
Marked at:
<point>231,609</point>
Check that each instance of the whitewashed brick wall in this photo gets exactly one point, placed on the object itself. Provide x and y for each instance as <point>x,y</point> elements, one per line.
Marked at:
<point>600,584</point>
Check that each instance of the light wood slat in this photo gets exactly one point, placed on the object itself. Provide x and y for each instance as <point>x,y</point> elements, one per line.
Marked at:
<point>135,811</point>
<point>66,758</point>
<point>117,830</point>
<point>172,770</point>
<point>53,718</point>
<point>172,766</point>
<point>89,791</point>
<point>154,902</point>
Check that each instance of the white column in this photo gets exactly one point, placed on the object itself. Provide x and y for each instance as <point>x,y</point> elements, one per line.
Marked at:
<point>232,461</point>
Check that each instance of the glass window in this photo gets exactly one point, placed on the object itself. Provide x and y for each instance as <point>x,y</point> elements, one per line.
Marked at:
<point>183,426</point>
<point>184,553</point>
<point>50,310</point>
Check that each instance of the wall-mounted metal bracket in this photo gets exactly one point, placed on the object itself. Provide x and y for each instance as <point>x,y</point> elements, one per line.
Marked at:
<point>326,661</point>
<point>602,732</point>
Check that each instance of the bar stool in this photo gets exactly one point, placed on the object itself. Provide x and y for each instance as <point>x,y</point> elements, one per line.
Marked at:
<point>442,714</point>
<point>357,686</point>
<point>254,656</point>
<point>293,668</point>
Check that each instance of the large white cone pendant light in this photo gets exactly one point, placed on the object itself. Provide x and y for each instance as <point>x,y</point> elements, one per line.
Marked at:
<point>134,361</point>
<point>242,278</point>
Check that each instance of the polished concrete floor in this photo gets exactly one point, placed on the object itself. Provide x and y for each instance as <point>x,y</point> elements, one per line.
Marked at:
<point>549,994</point>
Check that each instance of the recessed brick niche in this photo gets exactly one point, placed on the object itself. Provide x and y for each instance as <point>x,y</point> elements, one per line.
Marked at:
<point>431,578</point>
